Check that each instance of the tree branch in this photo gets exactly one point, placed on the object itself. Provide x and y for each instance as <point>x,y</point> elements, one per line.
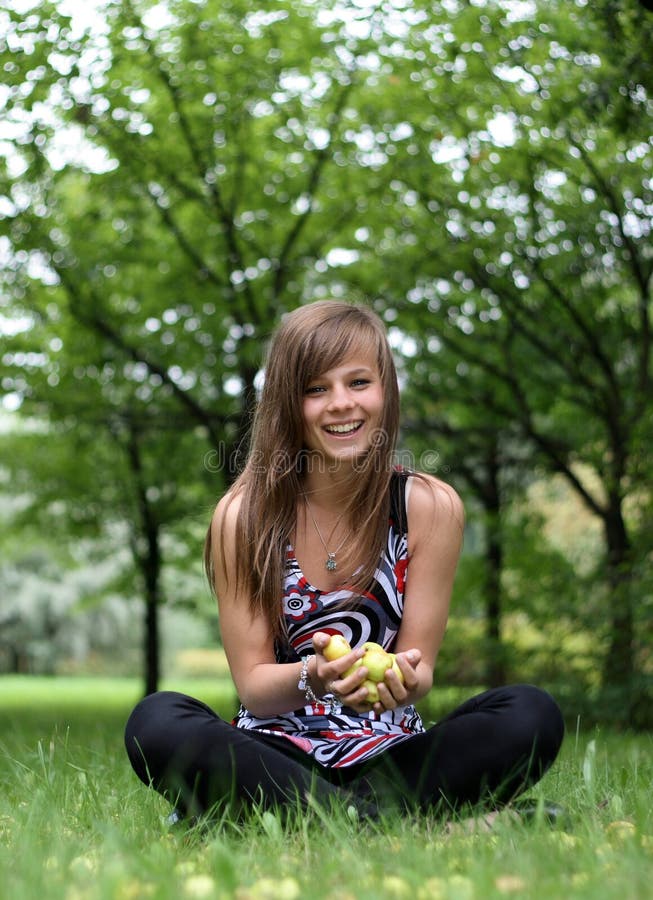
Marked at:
<point>321,158</point>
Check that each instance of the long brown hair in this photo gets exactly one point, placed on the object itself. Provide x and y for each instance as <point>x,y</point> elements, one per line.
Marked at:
<point>308,342</point>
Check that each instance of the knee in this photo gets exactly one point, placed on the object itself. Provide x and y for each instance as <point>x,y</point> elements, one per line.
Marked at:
<point>149,719</point>
<point>542,721</point>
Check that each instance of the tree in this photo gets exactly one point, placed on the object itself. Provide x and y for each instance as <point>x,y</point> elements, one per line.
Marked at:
<point>213,180</point>
<point>526,251</point>
<point>117,472</point>
<point>210,182</point>
<point>487,467</point>
<point>481,169</point>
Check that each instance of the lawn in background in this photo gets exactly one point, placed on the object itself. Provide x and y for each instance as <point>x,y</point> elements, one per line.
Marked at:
<point>75,823</point>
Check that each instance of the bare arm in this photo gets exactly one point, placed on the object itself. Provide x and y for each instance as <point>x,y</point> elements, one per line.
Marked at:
<point>435,531</point>
<point>264,686</point>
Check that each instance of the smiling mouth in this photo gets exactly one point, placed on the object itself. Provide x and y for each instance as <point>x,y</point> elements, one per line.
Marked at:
<point>345,428</point>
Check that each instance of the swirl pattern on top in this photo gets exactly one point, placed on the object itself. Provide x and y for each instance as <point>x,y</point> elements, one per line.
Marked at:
<point>338,739</point>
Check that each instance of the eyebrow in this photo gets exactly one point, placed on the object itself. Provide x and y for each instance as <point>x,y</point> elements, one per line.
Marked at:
<point>359,369</point>
<point>350,373</point>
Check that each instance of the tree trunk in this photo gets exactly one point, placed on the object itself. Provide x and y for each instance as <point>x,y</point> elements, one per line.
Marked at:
<point>152,576</point>
<point>147,555</point>
<point>619,668</point>
<point>495,661</point>
<point>13,660</point>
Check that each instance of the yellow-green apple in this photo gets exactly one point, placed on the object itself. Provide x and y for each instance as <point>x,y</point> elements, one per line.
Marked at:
<point>376,660</point>
<point>372,691</point>
<point>338,646</point>
<point>395,668</point>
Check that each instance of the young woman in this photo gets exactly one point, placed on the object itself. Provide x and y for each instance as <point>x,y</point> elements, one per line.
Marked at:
<point>321,535</point>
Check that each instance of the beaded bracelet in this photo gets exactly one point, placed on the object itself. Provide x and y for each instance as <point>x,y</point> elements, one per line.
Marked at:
<point>332,703</point>
<point>303,683</point>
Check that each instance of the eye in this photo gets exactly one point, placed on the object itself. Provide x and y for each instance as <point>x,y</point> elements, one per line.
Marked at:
<point>314,389</point>
<point>360,382</point>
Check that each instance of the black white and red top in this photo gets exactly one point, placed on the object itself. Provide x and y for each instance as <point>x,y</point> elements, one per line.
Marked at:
<point>345,737</point>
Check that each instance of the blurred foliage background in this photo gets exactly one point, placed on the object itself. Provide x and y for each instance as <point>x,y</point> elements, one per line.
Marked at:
<point>176,175</point>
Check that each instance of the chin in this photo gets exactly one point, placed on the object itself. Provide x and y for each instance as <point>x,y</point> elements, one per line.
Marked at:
<point>355,458</point>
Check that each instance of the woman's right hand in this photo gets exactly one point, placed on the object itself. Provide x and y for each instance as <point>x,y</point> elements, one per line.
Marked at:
<point>330,676</point>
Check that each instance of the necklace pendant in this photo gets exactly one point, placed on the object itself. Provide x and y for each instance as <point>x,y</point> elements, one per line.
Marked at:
<point>331,565</point>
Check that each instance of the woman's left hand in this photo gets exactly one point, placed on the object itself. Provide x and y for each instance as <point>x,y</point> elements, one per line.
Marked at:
<point>392,691</point>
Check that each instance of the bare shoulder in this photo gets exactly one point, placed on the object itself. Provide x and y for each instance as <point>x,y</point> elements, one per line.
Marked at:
<point>226,512</point>
<point>433,505</point>
<point>430,495</point>
<point>223,529</point>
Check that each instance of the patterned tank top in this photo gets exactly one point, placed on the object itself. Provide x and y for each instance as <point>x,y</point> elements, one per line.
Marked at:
<point>345,737</point>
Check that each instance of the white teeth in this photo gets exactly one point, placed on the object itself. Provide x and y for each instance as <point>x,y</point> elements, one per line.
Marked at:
<point>343,429</point>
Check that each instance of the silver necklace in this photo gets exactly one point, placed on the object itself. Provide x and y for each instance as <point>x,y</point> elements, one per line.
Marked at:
<point>330,563</point>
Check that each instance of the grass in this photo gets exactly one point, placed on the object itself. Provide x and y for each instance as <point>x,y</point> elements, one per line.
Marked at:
<point>75,823</point>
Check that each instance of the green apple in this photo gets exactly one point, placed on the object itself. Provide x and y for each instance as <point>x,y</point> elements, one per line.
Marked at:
<point>372,691</point>
<point>395,668</point>
<point>355,665</point>
<point>376,660</point>
<point>338,646</point>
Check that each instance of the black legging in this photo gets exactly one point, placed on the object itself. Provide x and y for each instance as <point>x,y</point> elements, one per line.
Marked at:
<point>486,751</point>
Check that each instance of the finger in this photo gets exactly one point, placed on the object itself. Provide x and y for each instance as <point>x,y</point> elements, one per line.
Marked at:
<point>332,687</point>
<point>351,684</point>
<point>350,694</point>
<point>412,657</point>
<point>360,697</point>
<point>346,662</point>
<point>395,684</point>
<point>407,663</point>
<point>401,690</point>
<point>320,640</point>
<point>348,665</point>
<point>386,696</point>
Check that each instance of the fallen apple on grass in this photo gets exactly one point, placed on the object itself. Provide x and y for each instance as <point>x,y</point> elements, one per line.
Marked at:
<point>376,660</point>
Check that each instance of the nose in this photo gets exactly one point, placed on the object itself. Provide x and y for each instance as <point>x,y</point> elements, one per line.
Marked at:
<point>341,397</point>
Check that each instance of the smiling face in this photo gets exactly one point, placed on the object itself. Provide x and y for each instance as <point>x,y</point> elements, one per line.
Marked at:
<point>343,409</point>
<point>330,387</point>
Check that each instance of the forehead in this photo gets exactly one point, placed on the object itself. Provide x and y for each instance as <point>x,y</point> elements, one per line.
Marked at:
<point>356,347</point>
<point>351,365</point>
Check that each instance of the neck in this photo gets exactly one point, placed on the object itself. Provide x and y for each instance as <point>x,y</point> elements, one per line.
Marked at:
<point>329,490</point>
